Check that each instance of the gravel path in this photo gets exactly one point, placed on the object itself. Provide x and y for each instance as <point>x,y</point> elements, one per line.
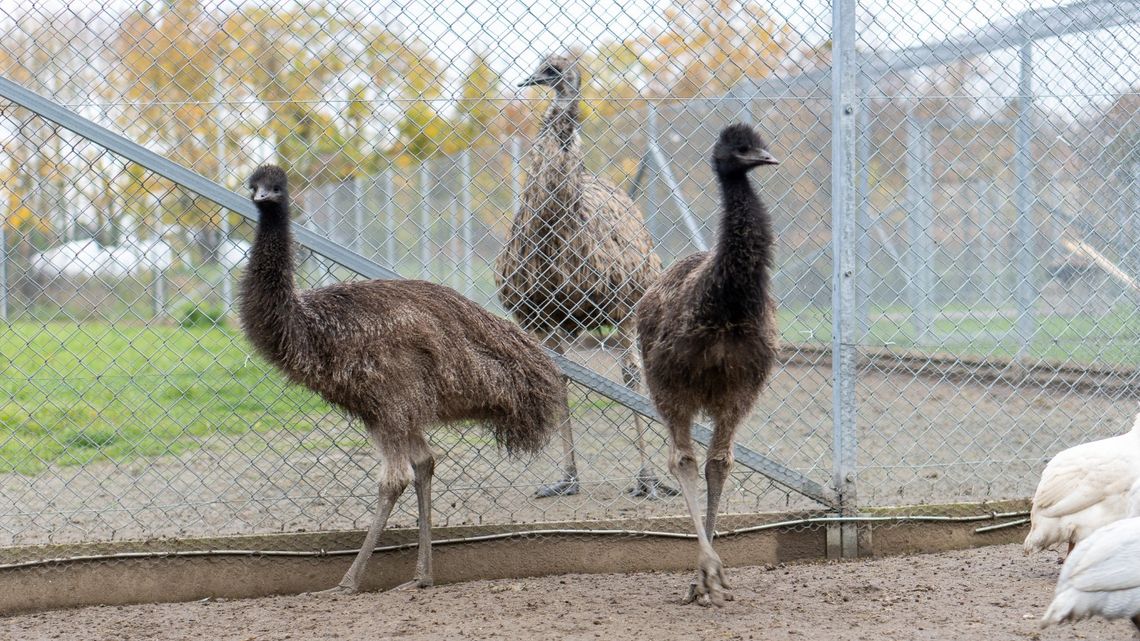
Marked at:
<point>993,593</point>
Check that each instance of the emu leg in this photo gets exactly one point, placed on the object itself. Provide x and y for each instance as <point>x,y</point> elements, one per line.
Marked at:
<point>647,484</point>
<point>1136,622</point>
<point>388,496</point>
<point>423,473</point>
<point>568,485</point>
<point>716,471</point>
<point>708,588</point>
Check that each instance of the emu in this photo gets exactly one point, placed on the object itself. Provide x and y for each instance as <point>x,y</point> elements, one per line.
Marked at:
<point>707,333</point>
<point>398,355</point>
<point>579,256</point>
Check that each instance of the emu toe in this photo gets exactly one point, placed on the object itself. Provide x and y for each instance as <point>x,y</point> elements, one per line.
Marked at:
<point>710,586</point>
<point>568,486</point>
<point>650,487</point>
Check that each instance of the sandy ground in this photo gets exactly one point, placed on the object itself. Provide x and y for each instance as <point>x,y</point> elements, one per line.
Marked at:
<point>992,593</point>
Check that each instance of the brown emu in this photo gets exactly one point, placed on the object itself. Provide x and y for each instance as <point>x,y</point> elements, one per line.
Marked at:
<point>579,256</point>
<point>400,356</point>
<point>707,333</point>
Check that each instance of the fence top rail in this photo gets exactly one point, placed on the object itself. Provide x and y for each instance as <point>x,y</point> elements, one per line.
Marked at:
<point>1026,27</point>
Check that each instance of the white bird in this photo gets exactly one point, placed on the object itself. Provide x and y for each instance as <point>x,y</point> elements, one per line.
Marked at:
<point>1101,577</point>
<point>1082,489</point>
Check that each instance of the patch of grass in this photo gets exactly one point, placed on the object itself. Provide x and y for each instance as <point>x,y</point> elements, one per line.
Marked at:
<point>76,393</point>
<point>201,315</point>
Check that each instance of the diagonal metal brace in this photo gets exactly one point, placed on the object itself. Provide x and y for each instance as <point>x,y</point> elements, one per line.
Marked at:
<point>210,190</point>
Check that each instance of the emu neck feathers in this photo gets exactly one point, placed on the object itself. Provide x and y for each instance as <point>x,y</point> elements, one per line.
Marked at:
<point>270,308</point>
<point>738,277</point>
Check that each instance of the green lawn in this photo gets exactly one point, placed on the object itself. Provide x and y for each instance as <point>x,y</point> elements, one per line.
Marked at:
<point>78,392</point>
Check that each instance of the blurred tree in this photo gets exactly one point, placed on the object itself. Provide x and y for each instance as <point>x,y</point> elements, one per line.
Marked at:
<point>707,46</point>
<point>478,106</point>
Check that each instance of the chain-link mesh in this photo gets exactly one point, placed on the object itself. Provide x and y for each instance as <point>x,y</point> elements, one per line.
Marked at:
<point>996,269</point>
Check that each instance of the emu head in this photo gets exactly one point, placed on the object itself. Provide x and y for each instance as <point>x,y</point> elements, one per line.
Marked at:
<point>739,149</point>
<point>559,72</point>
<point>268,187</point>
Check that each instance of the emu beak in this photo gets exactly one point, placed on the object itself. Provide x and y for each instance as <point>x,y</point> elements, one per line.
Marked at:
<point>761,157</point>
<point>537,78</point>
<point>261,194</point>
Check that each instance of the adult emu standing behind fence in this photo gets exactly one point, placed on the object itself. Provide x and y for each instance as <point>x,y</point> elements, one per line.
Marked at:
<point>708,339</point>
<point>579,256</point>
<point>400,356</point>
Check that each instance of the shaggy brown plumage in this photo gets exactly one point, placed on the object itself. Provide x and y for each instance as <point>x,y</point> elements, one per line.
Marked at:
<point>579,255</point>
<point>399,355</point>
<point>708,339</point>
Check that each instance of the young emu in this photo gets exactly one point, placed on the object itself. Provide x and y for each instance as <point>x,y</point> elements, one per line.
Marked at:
<point>399,355</point>
<point>708,339</point>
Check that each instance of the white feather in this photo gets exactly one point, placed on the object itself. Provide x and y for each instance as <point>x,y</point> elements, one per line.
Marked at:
<point>1101,577</point>
<point>1084,488</point>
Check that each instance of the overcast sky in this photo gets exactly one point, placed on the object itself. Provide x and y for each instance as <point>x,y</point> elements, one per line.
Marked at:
<point>1080,70</point>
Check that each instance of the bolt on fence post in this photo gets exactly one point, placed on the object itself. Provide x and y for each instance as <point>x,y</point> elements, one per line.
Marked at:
<point>425,220</point>
<point>920,218</point>
<point>389,216</point>
<point>465,220</point>
<point>843,539</point>
<point>1025,289</point>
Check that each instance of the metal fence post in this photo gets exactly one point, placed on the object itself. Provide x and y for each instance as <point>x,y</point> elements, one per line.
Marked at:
<point>389,216</point>
<point>357,195</point>
<point>843,540</point>
<point>1026,294</point>
<point>3,270</point>
<point>465,221</point>
<point>920,217</point>
<point>425,220</point>
<point>516,170</point>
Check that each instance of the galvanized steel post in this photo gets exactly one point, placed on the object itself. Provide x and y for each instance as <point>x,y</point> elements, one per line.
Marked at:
<point>843,539</point>
<point>1026,290</point>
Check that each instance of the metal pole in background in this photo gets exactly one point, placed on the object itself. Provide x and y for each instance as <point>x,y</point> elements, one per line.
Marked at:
<point>1026,291</point>
<point>465,221</point>
<point>843,540</point>
<point>425,221</point>
<point>389,216</point>
<point>516,170</point>
<point>357,212</point>
<point>920,219</point>
<point>3,271</point>
<point>224,223</point>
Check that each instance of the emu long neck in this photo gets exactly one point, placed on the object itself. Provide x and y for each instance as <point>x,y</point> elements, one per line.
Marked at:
<point>562,119</point>
<point>269,304</point>
<point>739,277</point>
<point>554,183</point>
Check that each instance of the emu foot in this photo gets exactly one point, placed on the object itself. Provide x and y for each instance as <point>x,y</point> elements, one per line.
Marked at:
<point>650,487</point>
<point>415,584</point>
<point>710,586</point>
<point>568,486</point>
<point>336,591</point>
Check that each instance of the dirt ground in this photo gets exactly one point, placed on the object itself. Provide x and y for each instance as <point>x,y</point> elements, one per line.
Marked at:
<point>992,593</point>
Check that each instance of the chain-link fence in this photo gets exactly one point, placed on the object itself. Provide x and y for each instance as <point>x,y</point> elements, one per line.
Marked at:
<point>986,312</point>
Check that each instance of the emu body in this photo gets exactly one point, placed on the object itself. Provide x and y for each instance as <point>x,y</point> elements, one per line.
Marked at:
<point>708,339</point>
<point>399,355</point>
<point>579,256</point>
